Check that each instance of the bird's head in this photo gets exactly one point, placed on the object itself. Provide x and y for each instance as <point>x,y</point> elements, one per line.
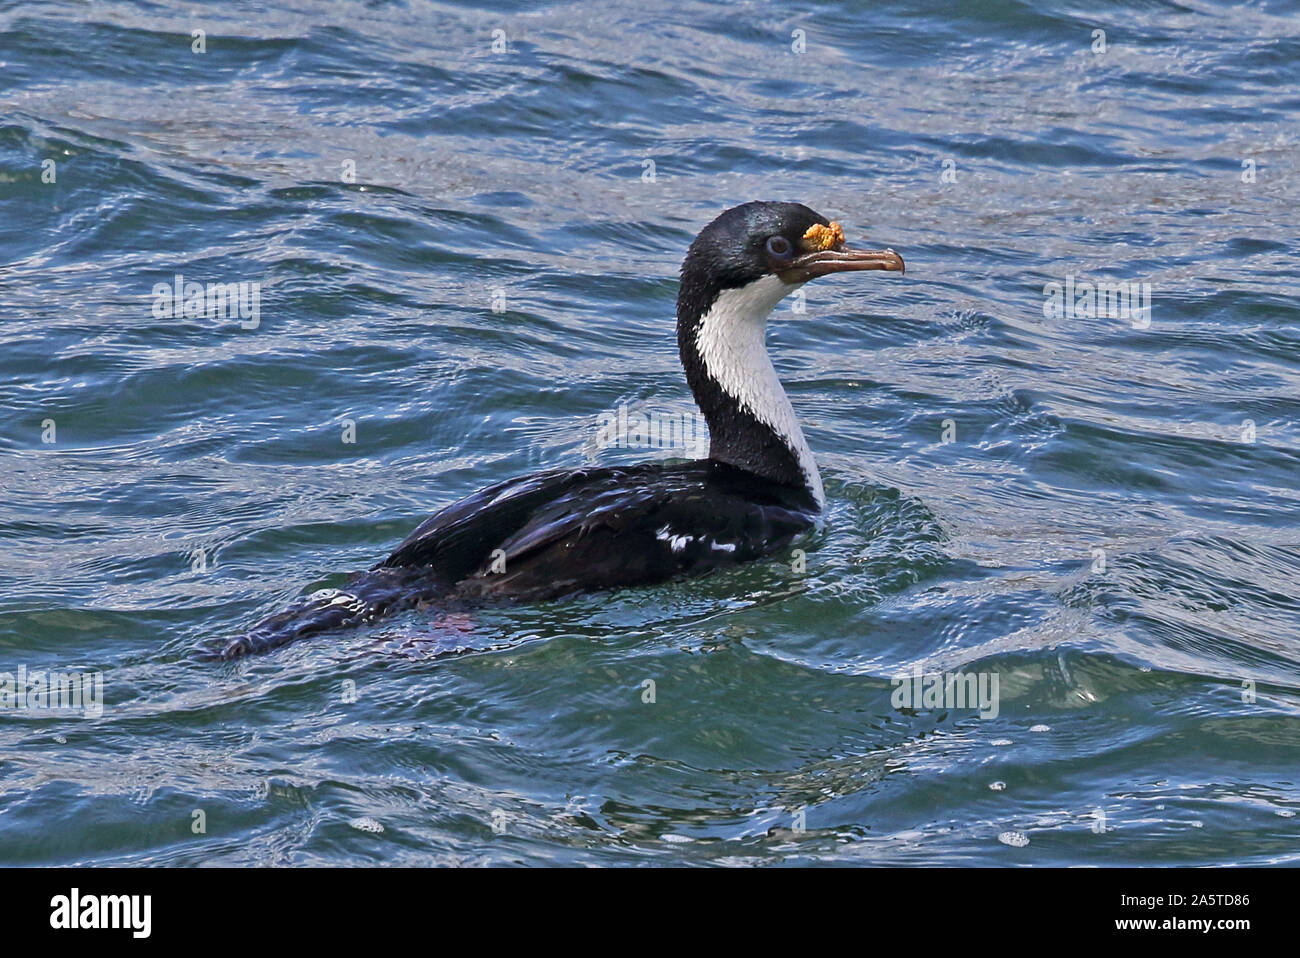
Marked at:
<point>774,248</point>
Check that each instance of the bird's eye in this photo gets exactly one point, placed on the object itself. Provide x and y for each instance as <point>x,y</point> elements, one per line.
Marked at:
<point>778,246</point>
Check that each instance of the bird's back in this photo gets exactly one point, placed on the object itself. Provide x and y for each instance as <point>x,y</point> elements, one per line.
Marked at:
<point>555,533</point>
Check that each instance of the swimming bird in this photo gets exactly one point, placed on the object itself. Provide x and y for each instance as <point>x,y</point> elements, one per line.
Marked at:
<point>563,531</point>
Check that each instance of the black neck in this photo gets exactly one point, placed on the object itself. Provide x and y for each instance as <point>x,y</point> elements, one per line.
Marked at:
<point>736,436</point>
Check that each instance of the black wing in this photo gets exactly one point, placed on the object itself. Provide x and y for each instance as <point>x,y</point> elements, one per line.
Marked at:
<point>630,527</point>
<point>553,533</point>
<point>458,540</point>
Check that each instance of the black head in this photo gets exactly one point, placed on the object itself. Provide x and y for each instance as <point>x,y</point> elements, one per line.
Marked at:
<point>759,239</point>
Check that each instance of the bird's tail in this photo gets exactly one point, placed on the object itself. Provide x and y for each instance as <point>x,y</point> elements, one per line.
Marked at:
<point>365,597</point>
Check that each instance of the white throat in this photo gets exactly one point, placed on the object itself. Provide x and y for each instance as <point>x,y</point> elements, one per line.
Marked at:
<point>731,343</point>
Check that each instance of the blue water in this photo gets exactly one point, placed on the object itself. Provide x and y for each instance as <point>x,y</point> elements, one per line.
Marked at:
<point>1100,512</point>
